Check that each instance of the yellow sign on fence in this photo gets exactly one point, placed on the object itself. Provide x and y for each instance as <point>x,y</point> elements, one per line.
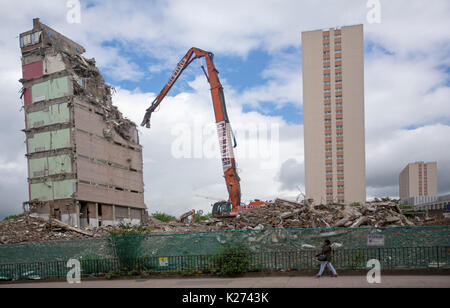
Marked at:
<point>164,261</point>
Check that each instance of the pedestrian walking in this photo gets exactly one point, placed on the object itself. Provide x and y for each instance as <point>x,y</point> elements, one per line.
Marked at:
<point>325,259</point>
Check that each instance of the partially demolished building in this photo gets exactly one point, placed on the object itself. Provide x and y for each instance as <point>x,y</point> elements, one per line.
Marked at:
<point>84,158</point>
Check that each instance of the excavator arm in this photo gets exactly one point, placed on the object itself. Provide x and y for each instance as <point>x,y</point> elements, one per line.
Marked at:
<point>223,208</point>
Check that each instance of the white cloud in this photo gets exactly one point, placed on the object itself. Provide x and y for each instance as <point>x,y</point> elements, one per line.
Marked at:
<point>13,184</point>
<point>402,92</point>
<point>283,86</point>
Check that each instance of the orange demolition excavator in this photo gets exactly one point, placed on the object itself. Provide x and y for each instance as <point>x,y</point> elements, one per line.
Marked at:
<point>233,206</point>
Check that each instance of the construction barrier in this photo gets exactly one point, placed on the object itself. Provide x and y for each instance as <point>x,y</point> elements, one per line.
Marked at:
<point>348,259</point>
<point>395,248</point>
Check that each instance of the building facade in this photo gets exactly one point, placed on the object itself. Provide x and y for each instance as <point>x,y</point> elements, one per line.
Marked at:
<point>84,158</point>
<point>333,110</point>
<point>419,180</point>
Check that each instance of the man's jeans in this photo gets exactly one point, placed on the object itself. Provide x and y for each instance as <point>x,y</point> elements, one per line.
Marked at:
<point>330,266</point>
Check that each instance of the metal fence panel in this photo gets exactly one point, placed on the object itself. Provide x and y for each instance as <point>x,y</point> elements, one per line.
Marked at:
<point>404,248</point>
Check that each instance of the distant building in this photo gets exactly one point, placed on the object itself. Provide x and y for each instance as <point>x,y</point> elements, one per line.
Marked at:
<point>439,206</point>
<point>333,109</point>
<point>419,181</point>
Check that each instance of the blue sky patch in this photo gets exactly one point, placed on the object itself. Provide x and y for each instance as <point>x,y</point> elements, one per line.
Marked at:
<point>290,113</point>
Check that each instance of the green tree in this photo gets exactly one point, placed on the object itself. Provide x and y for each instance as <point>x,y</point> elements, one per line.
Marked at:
<point>201,216</point>
<point>163,217</point>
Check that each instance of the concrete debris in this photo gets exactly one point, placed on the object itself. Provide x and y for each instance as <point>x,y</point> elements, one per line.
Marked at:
<point>288,214</point>
<point>279,214</point>
<point>94,89</point>
<point>30,229</point>
<point>60,224</point>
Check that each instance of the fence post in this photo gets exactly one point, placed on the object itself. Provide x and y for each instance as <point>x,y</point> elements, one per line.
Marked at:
<point>379,254</point>
<point>437,256</point>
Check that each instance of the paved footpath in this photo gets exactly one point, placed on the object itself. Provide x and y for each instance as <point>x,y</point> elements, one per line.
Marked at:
<point>253,282</point>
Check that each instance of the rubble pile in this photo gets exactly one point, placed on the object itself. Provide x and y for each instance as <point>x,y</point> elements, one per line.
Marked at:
<point>287,214</point>
<point>30,229</point>
<point>159,227</point>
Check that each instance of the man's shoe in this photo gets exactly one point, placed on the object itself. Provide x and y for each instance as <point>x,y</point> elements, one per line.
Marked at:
<point>335,276</point>
<point>317,276</point>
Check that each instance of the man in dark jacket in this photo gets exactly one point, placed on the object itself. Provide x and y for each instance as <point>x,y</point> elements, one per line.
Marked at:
<point>325,259</point>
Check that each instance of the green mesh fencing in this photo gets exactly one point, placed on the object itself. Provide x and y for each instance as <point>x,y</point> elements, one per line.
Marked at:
<point>208,243</point>
<point>281,240</point>
<point>402,247</point>
<point>55,251</point>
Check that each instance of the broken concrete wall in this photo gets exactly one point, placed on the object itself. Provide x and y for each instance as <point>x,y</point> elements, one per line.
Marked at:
<point>63,210</point>
<point>55,114</point>
<point>107,215</point>
<point>52,190</point>
<point>89,214</point>
<point>53,64</point>
<point>80,148</point>
<point>42,141</point>
<point>50,165</point>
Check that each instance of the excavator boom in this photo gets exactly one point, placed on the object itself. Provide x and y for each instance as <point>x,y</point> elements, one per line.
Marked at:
<point>223,208</point>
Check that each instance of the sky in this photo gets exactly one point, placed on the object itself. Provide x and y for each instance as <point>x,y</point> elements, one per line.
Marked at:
<point>257,48</point>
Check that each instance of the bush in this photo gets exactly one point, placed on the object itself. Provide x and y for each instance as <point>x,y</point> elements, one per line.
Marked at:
<point>232,260</point>
<point>112,275</point>
<point>163,217</point>
<point>14,217</point>
<point>124,229</point>
<point>356,204</point>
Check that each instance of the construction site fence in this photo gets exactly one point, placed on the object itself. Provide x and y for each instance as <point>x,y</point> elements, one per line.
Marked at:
<point>344,259</point>
<point>210,243</point>
<point>274,248</point>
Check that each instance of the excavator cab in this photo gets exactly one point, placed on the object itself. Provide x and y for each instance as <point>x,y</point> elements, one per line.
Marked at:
<point>222,209</point>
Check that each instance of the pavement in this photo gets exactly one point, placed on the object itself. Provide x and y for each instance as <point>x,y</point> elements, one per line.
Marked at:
<point>410,281</point>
